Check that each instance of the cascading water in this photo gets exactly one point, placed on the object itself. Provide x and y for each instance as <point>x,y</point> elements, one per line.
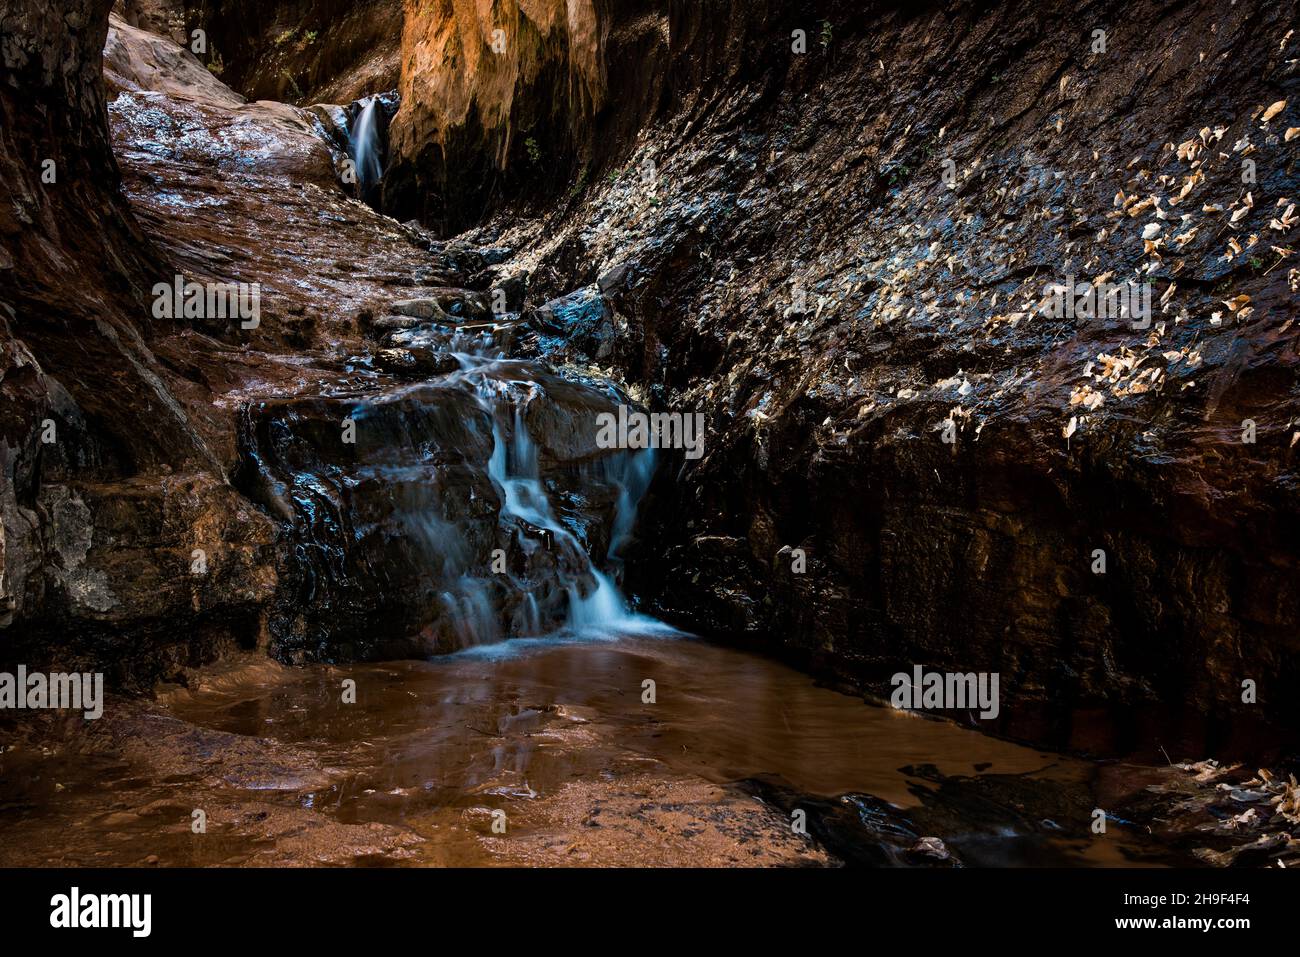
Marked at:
<point>595,603</point>
<point>366,146</point>
<point>476,502</point>
<point>514,470</point>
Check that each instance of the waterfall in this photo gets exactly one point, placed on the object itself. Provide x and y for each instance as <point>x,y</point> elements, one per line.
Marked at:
<point>366,146</point>
<point>476,502</point>
<point>596,605</point>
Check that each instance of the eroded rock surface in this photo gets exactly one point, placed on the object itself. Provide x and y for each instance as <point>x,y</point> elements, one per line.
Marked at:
<point>489,88</point>
<point>107,475</point>
<point>125,545</point>
<point>783,253</point>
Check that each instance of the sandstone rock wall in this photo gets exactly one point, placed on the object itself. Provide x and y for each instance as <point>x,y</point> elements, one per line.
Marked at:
<point>797,267</point>
<point>484,85</point>
<point>165,18</point>
<point>107,480</point>
<point>523,103</point>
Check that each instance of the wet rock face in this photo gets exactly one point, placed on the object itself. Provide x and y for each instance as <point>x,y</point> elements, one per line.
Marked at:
<point>413,523</point>
<point>91,419</point>
<point>883,387</point>
<point>579,325</point>
<point>365,514</point>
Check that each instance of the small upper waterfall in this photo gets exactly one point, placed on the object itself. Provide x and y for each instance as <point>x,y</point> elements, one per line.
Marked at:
<point>365,143</point>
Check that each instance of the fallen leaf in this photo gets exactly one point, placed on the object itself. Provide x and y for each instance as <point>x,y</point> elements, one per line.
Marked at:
<point>1274,110</point>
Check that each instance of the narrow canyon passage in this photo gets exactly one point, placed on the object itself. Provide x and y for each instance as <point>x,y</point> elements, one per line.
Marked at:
<point>550,729</point>
<point>371,587</point>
